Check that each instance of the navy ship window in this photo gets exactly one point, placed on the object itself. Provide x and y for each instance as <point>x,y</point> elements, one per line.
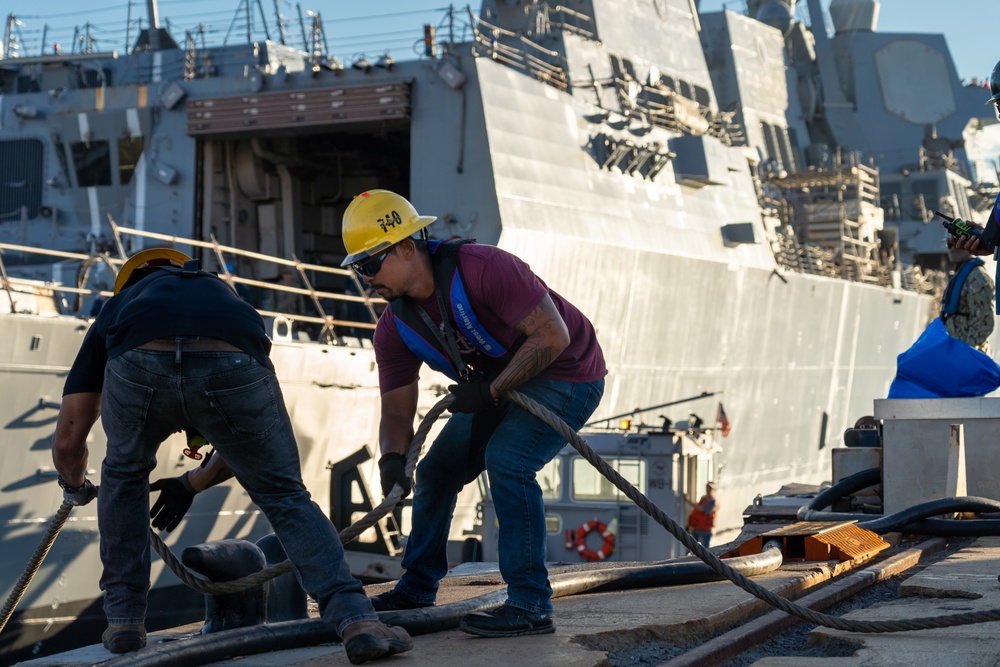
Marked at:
<point>28,84</point>
<point>129,150</point>
<point>92,163</point>
<point>701,96</point>
<point>793,141</point>
<point>590,484</point>
<point>770,141</point>
<point>550,479</point>
<point>21,163</point>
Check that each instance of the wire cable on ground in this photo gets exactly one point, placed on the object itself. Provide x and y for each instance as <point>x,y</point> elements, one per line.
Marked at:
<point>682,535</point>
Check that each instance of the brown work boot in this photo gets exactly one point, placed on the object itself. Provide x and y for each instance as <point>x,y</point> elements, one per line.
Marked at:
<point>371,640</point>
<point>124,638</point>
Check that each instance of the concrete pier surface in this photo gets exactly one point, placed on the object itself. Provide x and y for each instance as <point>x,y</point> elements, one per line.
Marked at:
<point>710,622</point>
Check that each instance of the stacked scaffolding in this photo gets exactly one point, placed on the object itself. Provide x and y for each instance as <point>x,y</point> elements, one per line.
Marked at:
<point>837,209</point>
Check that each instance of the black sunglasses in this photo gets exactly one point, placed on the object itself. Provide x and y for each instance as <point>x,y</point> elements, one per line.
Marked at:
<point>371,266</point>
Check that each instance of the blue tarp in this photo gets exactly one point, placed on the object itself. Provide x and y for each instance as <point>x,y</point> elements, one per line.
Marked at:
<point>940,366</point>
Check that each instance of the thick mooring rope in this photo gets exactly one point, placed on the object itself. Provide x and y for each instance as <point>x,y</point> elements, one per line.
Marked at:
<point>724,570</point>
<point>572,437</point>
<point>202,585</point>
<point>36,562</point>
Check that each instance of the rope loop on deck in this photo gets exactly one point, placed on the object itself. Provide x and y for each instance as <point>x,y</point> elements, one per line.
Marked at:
<point>572,437</point>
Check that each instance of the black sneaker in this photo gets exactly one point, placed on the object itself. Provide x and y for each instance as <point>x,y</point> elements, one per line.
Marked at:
<point>507,621</point>
<point>395,601</point>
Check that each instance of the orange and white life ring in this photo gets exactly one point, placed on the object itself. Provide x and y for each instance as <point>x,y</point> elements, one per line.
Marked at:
<point>581,545</point>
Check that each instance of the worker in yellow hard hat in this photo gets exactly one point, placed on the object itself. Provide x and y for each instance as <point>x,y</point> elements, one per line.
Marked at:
<point>375,221</point>
<point>177,349</point>
<point>148,259</point>
<point>479,315</point>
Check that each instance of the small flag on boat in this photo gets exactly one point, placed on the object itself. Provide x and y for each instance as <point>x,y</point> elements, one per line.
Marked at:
<point>723,421</point>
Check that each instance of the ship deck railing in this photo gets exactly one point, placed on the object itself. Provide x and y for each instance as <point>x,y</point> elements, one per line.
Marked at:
<point>524,54</point>
<point>327,322</point>
<point>325,325</point>
<point>8,283</point>
<point>654,105</point>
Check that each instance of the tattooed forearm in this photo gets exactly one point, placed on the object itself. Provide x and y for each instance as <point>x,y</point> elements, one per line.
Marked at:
<point>547,337</point>
<point>525,365</point>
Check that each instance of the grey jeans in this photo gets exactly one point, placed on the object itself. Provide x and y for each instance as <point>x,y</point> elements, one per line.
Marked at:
<point>237,405</point>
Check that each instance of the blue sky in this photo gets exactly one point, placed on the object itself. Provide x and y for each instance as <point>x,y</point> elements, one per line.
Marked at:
<point>371,27</point>
<point>968,26</point>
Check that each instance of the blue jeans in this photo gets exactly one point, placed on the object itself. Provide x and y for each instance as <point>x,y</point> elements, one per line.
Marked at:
<point>702,536</point>
<point>237,405</point>
<point>519,447</point>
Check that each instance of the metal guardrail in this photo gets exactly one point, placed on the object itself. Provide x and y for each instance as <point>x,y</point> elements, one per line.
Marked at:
<point>653,105</point>
<point>306,274</point>
<point>523,54</point>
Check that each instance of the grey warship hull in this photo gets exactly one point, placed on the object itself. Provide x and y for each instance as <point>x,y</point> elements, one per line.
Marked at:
<point>659,169</point>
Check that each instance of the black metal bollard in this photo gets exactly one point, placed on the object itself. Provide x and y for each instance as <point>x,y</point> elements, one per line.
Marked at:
<point>286,601</point>
<point>228,560</point>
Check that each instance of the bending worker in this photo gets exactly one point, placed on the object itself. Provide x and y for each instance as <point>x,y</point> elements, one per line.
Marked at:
<point>505,329</point>
<point>176,348</point>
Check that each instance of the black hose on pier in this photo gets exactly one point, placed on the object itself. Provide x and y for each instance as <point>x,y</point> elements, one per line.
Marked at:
<point>206,649</point>
<point>912,519</point>
<point>856,482</point>
<point>293,634</point>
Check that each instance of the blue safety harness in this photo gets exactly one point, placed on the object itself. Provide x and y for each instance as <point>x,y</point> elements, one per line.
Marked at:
<point>952,293</point>
<point>438,347</point>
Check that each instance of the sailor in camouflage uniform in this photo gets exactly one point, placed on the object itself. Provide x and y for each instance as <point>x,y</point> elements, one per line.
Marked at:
<point>973,318</point>
<point>969,317</point>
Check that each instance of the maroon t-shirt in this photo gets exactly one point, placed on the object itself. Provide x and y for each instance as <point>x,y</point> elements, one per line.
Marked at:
<point>502,291</point>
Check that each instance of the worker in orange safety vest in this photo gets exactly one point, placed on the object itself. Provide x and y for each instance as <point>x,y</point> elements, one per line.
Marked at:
<point>701,521</point>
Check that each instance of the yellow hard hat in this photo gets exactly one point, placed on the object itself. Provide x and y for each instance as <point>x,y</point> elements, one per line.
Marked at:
<point>376,220</point>
<point>145,259</point>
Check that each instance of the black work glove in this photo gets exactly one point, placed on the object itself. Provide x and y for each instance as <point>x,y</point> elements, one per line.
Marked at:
<point>176,494</point>
<point>471,397</point>
<point>78,496</point>
<point>392,471</point>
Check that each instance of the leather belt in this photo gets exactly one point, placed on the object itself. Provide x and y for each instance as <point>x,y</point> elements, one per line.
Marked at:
<point>198,344</point>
